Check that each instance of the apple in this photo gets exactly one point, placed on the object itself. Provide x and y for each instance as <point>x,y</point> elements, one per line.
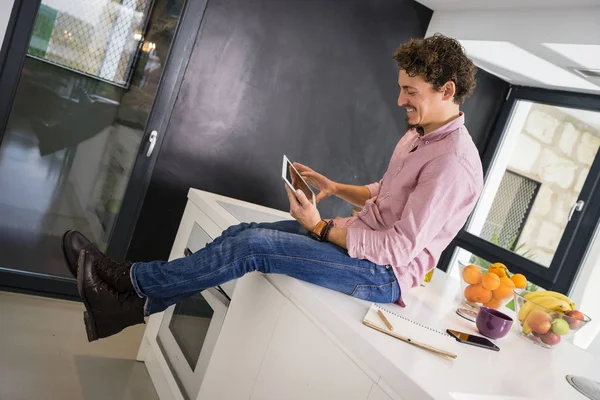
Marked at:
<point>539,321</point>
<point>560,326</point>
<point>550,338</point>
<point>576,319</point>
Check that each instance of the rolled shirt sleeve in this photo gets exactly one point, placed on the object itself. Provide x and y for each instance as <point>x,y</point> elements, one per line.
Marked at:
<point>374,188</point>
<point>441,190</point>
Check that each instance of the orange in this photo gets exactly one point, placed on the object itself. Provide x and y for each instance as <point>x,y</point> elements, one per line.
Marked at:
<point>505,290</point>
<point>493,303</point>
<point>469,293</point>
<point>481,294</point>
<point>498,269</point>
<point>507,281</point>
<point>472,274</point>
<point>490,281</point>
<point>519,280</point>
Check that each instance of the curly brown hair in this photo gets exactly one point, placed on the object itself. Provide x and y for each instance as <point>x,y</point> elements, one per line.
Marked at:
<point>438,59</point>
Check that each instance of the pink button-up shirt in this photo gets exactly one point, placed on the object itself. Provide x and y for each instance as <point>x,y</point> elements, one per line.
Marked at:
<point>421,203</point>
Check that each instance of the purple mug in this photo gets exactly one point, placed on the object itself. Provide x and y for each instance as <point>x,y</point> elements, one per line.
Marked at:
<point>492,323</point>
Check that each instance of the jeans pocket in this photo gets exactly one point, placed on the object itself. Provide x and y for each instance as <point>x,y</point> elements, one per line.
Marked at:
<point>377,293</point>
<point>362,292</point>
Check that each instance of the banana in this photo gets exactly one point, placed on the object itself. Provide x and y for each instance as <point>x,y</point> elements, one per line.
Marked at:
<point>554,304</point>
<point>526,328</point>
<point>546,302</point>
<point>543,300</point>
<point>533,296</point>
<point>525,310</point>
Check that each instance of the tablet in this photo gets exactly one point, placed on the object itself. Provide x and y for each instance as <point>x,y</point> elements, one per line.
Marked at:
<point>294,181</point>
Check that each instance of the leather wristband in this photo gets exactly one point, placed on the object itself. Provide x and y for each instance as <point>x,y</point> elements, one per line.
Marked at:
<point>325,236</point>
<point>320,231</point>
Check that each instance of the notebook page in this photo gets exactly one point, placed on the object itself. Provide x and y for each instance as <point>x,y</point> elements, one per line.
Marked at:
<point>412,329</point>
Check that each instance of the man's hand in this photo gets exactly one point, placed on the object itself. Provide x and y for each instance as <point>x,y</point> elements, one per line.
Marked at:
<point>355,195</point>
<point>325,186</point>
<point>302,209</point>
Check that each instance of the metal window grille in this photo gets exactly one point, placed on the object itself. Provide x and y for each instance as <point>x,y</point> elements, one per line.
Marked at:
<point>97,38</point>
<point>510,209</point>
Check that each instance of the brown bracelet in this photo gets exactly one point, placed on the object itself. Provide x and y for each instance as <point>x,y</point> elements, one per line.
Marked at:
<point>321,231</point>
<point>318,230</point>
<point>326,231</point>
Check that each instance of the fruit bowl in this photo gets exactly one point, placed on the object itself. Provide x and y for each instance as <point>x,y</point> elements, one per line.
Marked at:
<point>479,287</point>
<point>547,318</point>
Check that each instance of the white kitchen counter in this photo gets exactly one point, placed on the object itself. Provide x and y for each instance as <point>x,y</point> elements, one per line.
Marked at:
<point>520,370</point>
<point>283,338</point>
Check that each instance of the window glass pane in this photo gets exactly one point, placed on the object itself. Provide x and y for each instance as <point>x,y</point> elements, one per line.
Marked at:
<point>189,325</point>
<point>535,180</point>
<point>99,38</point>
<point>71,143</point>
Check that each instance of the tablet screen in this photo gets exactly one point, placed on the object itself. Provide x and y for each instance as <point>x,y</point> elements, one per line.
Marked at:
<point>298,182</point>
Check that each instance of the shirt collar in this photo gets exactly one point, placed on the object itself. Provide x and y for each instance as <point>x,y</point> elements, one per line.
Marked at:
<point>444,130</point>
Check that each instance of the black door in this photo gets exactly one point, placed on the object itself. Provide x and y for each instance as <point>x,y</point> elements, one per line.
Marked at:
<point>86,89</point>
<point>539,208</point>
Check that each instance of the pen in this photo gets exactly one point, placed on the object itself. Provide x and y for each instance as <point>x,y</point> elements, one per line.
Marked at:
<point>385,320</point>
<point>410,341</point>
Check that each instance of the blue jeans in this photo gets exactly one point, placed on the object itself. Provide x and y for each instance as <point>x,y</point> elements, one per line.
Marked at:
<point>271,248</point>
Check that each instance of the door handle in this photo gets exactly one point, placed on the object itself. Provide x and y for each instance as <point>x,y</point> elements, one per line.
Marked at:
<point>152,140</point>
<point>576,207</point>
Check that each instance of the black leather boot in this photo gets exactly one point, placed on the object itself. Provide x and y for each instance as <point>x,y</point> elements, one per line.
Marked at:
<point>115,274</point>
<point>72,243</point>
<point>107,311</point>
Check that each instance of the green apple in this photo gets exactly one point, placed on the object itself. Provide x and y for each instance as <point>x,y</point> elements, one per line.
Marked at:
<point>560,327</point>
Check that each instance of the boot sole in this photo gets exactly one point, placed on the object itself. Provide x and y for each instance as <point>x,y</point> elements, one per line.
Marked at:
<point>88,317</point>
<point>90,327</point>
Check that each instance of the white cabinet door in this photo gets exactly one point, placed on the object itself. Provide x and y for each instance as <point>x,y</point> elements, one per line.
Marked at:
<point>243,341</point>
<point>304,363</point>
<point>188,334</point>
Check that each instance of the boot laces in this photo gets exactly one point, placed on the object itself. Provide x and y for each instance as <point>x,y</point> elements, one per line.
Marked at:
<point>112,269</point>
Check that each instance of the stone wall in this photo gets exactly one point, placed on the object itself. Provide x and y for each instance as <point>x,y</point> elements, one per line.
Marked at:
<point>556,150</point>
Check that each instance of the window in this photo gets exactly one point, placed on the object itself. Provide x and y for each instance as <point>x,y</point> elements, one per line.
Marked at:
<point>508,214</point>
<point>536,177</point>
<point>99,38</point>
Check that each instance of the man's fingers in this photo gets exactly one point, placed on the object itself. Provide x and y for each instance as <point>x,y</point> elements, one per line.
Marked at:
<point>300,167</point>
<point>302,197</point>
<point>309,174</point>
<point>321,196</point>
<point>292,197</point>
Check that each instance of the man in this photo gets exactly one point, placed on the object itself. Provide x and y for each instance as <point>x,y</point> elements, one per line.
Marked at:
<point>432,183</point>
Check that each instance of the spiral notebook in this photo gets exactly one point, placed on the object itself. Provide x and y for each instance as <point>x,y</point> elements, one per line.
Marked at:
<point>411,331</point>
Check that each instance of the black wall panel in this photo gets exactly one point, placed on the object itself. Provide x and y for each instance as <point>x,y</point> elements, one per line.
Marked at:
<point>483,107</point>
<point>314,80</point>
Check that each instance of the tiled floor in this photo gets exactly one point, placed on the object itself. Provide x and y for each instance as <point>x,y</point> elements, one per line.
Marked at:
<point>44,354</point>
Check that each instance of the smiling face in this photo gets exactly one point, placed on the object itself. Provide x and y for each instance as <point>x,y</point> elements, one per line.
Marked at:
<point>425,106</point>
<point>436,76</point>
